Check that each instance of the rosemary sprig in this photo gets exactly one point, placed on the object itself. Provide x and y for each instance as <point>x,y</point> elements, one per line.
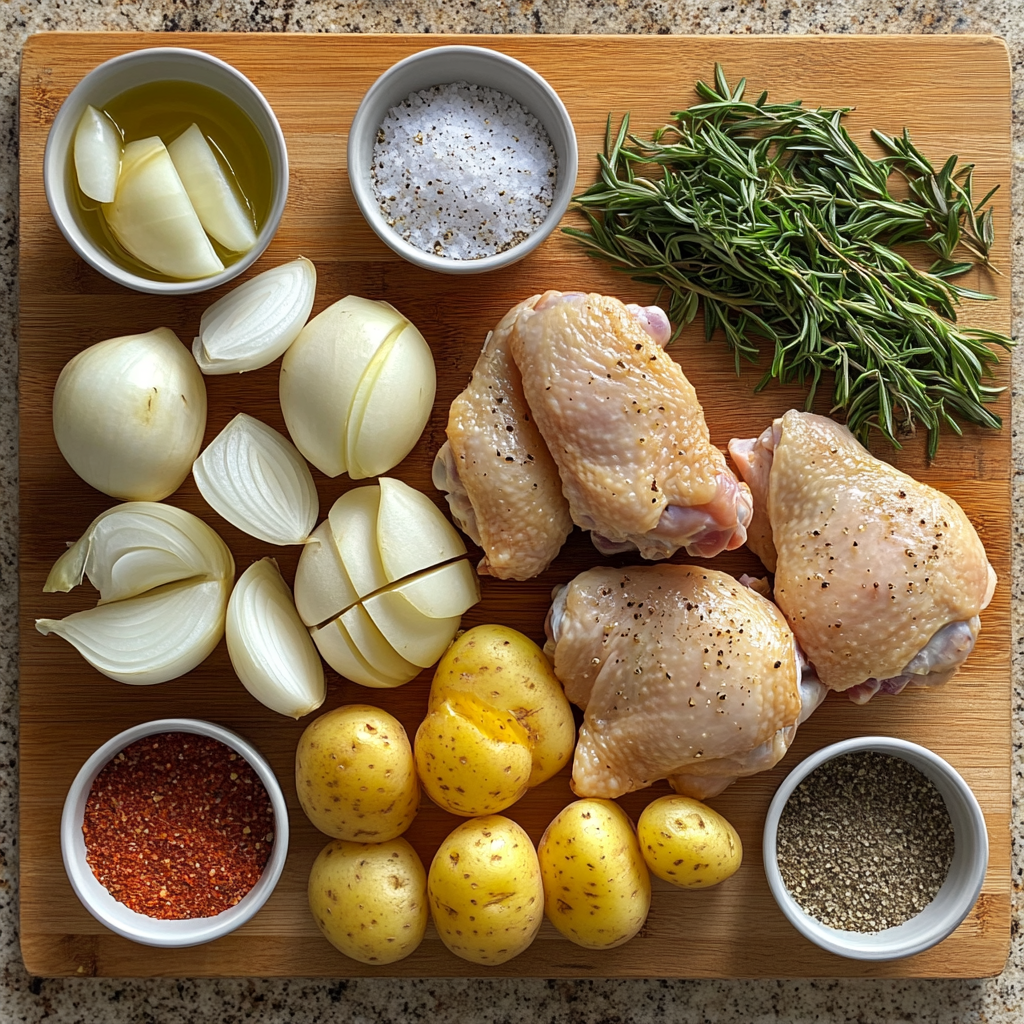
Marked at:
<point>775,221</point>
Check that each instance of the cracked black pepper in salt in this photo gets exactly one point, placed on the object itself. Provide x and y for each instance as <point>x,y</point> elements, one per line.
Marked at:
<point>865,842</point>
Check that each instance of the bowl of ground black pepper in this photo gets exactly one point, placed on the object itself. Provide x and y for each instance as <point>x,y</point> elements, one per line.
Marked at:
<point>174,832</point>
<point>875,848</point>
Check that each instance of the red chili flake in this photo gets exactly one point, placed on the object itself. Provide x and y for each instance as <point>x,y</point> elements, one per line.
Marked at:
<point>178,826</point>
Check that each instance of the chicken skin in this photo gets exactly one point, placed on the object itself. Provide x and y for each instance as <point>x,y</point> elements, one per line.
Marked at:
<point>682,673</point>
<point>625,429</point>
<point>882,578</point>
<point>502,484</point>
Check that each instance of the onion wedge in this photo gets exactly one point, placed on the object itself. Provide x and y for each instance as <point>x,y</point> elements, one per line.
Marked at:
<point>255,478</point>
<point>256,322</point>
<point>152,638</point>
<point>218,202</point>
<point>152,217</point>
<point>98,149</point>
<point>270,649</point>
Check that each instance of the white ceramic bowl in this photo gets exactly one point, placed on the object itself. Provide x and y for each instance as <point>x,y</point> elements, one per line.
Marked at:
<point>954,900</point>
<point>116,916</point>
<point>478,66</point>
<point>118,75</point>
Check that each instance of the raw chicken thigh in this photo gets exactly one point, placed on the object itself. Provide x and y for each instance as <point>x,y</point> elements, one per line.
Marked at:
<point>682,673</point>
<point>625,428</point>
<point>882,578</point>
<point>501,483</point>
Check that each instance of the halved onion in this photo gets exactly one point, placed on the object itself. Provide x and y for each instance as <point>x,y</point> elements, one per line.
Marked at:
<point>98,148</point>
<point>152,217</point>
<point>218,201</point>
<point>254,323</point>
<point>270,649</point>
<point>256,479</point>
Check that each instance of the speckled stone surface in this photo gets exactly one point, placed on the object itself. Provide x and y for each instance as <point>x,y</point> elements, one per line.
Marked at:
<point>994,1001</point>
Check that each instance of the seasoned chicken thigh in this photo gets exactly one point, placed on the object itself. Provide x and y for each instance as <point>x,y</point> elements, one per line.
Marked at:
<point>881,577</point>
<point>501,483</point>
<point>625,428</point>
<point>682,673</point>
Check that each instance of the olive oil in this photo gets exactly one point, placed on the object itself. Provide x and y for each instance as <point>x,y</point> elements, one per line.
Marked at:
<point>167,109</point>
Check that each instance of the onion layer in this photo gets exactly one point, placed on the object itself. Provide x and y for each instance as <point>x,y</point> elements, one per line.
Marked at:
<point>164,578</point>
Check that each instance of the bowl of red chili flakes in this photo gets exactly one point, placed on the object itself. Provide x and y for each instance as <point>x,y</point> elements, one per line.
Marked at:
<point>174,832</point>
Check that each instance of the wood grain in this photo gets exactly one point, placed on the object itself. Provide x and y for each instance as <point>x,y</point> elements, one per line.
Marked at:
<point>314,84</point>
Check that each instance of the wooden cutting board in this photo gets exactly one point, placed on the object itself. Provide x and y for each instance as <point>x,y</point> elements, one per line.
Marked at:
<point>953,92</point>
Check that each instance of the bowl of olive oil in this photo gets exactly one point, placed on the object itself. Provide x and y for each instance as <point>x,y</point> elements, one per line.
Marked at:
<point>148,100</point>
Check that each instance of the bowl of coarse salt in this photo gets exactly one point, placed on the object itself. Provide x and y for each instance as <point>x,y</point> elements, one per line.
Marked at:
<point>462,159</point>
<point>875,848</point>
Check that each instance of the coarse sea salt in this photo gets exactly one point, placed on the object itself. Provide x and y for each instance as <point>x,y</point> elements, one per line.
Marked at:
<point>463,171</point>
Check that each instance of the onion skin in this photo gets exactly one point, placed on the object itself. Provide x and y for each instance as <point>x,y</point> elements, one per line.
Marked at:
<point>129,415</point>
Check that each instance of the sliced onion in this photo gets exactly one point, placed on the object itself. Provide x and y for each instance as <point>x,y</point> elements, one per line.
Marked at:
<point>152,638</point>
<point>256,479</point>
<point>98,148</point>
<point>218,201</point>
<point>138,546</point>
<point>152,217</point>
<point>256,322</point>
<point>270,649</point>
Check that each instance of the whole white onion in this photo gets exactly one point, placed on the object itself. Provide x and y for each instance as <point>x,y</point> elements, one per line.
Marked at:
<point>129,415</point>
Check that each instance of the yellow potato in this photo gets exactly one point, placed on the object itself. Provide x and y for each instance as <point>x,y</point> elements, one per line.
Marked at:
<point>485,890</point>
<point>687,843</point>
<point>370,899</point>
<point>472,759</point>
<point>503,668</point>
<point>355,776</point>
<point>596,887</point>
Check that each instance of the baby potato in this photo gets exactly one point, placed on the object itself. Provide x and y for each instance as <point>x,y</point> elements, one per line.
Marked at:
<point>355,775</point>
<point>472,758</point>
<point>503,668</point>
<point>597,891</point>
<point>687,843</point>
<point>485,890</point>
<point>370,899</point>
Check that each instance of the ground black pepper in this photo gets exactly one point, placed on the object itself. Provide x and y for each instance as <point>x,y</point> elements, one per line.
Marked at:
<point>865,842</point>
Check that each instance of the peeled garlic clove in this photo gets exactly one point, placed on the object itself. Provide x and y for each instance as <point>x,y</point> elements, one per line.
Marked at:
<point>377,439</point>
<point>338,650</point>
<point>270,649</point>
<point>255,478</point>
<point>412,533</point>
<point>216,197</point>
<point>129,415</point>
<point>322,587</point>
<point>152,217</point>
<point>98,147</point>
<point>152,638</point>
<point>420,617</point>
<point>256,322</point>
<point>328,376</point>
<point>138,546</point>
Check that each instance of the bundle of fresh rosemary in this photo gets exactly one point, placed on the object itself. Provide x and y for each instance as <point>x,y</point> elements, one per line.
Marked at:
<point>771,217</point>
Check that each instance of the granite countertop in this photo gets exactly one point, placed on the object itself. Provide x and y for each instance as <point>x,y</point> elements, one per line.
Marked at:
<point>22,998</point>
